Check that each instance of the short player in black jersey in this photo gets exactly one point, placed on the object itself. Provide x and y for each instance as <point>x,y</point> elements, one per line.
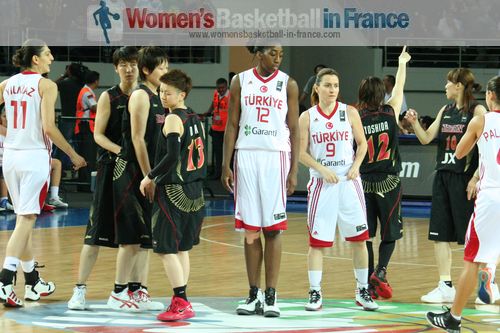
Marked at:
<point>454,183</point>
<point>380,169</point>
<point>180,167</point>
<point>141,125</point>
<point>101,225</point>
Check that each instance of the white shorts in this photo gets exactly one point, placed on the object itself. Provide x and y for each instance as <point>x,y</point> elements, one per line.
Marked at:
<point>482,240</point>
<point>260,189</point>
<point>331,204</point>
<point>27,173</point>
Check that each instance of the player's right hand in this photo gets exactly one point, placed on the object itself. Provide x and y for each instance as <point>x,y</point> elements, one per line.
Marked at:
<point>78,161</point>
<point>227,179</point>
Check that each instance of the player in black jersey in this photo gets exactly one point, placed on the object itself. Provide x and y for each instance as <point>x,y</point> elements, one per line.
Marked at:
<point>454,183</point>
<point>180,167</point>
<point>141,125</point>
<point>101,225</point>
<point>380,169</point>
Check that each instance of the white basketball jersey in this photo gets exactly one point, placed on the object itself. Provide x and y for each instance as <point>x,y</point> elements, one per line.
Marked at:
<point>264,109</point>
<point>489,151</point>
<point>23,111</point>
<point>331,139</point>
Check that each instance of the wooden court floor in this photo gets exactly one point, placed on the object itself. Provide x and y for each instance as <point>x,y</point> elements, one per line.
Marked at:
<point>218,268</point>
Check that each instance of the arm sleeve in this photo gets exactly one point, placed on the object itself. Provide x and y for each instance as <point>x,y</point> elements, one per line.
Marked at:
<point>170,160</point>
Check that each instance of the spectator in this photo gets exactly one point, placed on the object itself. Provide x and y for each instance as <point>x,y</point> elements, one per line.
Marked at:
<point>306,93</point>
<point>218,111</point>
<point>389,82</point>
<point>86,107</point>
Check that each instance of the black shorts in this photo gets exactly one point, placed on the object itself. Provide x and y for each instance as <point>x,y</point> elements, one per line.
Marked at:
<point>178,214</point>
<point>101,224</point>
<point>383,204</point>
<point>132,209</point>
<point>451,211</point>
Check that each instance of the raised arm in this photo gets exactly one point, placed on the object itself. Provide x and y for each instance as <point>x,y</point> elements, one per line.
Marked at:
<point>396,100</point>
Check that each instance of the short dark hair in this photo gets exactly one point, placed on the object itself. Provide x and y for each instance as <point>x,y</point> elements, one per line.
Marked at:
<point>318,67</point>
<point>91,77</point>
<point>221,80</point>
<point>150,57</point>
<point>391,79</point>
<point>178,79</point>
<point>125,53</point>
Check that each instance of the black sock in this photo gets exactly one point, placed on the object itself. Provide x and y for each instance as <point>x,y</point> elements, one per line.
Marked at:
<point>385,251</point>
<point>134,286</point>
<point>79,285</point>
<point>7,276</point>
<point>448,283</point>
<point>31,278</point>
<point>369,247</point>
<point>181,292</point>
<point>119,288</point>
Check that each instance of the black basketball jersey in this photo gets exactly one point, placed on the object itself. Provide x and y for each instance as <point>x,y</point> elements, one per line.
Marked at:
<point>192,162</point>
<point>452,128</point>
<point>118,104</point>
<point>381,131</point>
<point>156,118</point>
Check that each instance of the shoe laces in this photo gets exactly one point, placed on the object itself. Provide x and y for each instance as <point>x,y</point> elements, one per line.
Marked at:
<point>270,296</point>
<point>314,296</point>
<point>365,295</point>
<point>142,296</point>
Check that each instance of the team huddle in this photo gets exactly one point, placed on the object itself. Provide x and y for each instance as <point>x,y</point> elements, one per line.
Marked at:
<point>151,162</point>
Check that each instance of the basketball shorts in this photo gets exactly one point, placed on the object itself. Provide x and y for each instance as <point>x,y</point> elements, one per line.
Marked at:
<point>27,174</point>
<point>132,209</point>
<point>101,225</point>
<point>482,243</point>
<point>260,189</point>
<point>331,204</point>
<point>383,204</point>
<point>177,217</point>
<point>451,211</point>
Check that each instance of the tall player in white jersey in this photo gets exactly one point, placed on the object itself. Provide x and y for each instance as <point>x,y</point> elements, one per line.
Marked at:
<point>482,241</point>
<point>29,102</point>
<point>335,194</point>
<point>263,128</point>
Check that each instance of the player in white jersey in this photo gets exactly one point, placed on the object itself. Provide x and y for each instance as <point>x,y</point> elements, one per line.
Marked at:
<point>29,102</point>
<point>263,128</point>
<point>482,241</point>
<point>335,194</point>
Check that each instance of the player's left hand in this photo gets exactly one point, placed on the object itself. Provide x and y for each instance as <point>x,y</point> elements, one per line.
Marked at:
<point>472,187</point>
<point>147,188</point>
<point>291,182</point>
<point>353,173</point>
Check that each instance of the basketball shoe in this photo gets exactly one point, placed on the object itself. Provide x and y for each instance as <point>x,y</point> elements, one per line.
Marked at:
<point>378,279</point>
<point>253,304</point>
<point>271,308</point>
<point>364,299</point>
<point>8,296</point>
<point>487,291</point>
<point>40,288</point>
<point>123,301</point>
<point>444,321</point>
<point>144,301</point>
<point>315,300</point>
<point>77,301</point>
<point>441,294</point>
<point>179,309</point>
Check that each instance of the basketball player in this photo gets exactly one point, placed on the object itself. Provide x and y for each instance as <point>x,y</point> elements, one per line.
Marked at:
<point>380,169</point>
<point>482,243</point>
<point>101,225</point>
<point>262,127</point>
<point>454,183</point>
<point>335,194</point>
<point>142,123</point>
<point>180,167</point>
<point>29,103</point>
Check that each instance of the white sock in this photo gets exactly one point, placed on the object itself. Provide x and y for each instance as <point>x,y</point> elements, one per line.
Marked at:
<point>315,279</point>
<point>456,317</point>
<point>361,275</point>
<point>54,192</point>
<point>11,263</point>
<point>28,266</point>
<point>493,268</point>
